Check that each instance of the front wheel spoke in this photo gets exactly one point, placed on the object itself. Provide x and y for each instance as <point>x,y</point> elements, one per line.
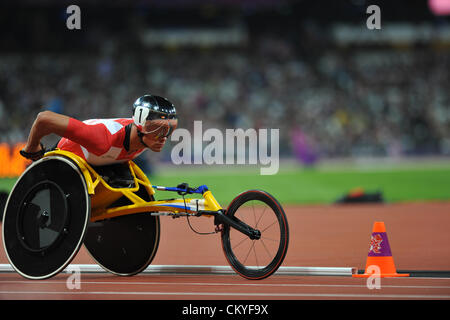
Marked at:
<point>269,226</point>
<point>270,239</point>
<point>267,250</point>
<point>256,256</point>
<point>249,251</point>
<point>239,243</point>
<point>262,214</point>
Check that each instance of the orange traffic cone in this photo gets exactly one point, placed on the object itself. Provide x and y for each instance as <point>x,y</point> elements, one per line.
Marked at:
<point>380,254</point>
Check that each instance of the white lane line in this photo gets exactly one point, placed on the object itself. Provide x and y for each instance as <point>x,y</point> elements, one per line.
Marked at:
<point>245,294</point>
<point>229,284</point>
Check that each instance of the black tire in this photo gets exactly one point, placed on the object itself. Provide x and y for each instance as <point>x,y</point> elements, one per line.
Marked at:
<point>124,245</point>
<point>256,259</point>
<point>45,218</point>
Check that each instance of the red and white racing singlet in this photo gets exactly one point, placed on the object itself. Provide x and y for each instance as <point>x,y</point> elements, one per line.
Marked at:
<point>98,141</point>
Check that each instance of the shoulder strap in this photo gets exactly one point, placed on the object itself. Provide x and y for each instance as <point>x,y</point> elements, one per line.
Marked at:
<point>126,141</point>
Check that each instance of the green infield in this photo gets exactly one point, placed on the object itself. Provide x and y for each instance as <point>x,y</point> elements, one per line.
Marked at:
<point>321,186</point>
<point>300,186</point>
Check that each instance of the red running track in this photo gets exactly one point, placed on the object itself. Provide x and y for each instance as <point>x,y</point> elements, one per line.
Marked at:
<point>325,236</point>
<point>223,287</point>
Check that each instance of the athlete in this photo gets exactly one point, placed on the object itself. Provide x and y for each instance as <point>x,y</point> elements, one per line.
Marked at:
<point>107,141</point>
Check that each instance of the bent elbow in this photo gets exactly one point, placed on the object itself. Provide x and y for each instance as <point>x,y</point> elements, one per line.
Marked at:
<point>45,122</point>
<point>43,117</point>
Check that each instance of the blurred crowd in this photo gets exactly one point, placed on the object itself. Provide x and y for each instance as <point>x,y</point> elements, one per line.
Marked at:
<point>341,102</point>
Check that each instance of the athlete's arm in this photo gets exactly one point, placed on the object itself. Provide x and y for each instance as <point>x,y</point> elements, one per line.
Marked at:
<point>46,122</point>
<point>92,137</point>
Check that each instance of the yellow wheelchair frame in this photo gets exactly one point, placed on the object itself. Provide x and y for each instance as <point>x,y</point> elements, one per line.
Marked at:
<point>103,194</point>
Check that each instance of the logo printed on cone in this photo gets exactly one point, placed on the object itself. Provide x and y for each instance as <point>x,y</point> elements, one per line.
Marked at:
<point>380,255</point>
<point>375,243</point>
<point>379,245</point>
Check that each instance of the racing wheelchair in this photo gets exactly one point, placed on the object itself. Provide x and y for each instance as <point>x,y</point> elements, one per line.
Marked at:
<point>61,202</point>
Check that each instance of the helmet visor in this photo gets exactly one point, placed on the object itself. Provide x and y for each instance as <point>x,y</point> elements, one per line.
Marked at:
<point>159,128</point>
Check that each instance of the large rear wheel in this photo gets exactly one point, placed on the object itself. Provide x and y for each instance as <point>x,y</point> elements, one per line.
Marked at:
<point>124,245</point>
<point>45,218</point>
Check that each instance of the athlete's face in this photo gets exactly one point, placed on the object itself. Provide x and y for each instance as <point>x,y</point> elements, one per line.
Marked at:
<point>156,133</point>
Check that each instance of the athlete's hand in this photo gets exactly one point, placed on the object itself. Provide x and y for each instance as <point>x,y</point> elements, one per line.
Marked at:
<point>33,154</point>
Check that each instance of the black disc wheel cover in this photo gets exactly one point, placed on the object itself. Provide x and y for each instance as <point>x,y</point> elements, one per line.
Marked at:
<point>45,218</point>
<point>124,245</point>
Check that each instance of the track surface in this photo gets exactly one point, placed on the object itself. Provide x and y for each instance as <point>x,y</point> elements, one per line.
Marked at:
<point>102,286</point>
<point>321,236</point>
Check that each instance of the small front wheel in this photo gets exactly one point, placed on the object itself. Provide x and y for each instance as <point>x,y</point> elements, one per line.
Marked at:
<point>256,259</point>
